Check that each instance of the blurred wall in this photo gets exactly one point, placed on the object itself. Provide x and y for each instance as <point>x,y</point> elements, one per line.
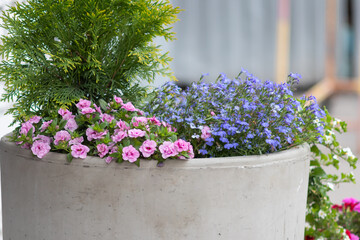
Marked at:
<point>222,36</point>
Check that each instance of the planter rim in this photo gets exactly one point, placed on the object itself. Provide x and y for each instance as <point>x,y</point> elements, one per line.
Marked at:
<point>251,161</point>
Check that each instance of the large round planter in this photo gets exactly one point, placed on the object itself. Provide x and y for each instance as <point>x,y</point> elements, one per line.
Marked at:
<point>255,197</point>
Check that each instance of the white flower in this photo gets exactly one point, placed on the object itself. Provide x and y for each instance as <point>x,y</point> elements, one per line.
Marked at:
<point>329,132</point>
<point>328,139</point>
<point>348,153</point>
<point>335,122</point>
<point>195,136</point>
<point>317,122</point>
<point>275,108</point>
<point>322,214</point>
<point>331,185</point>
<point>345,236</point>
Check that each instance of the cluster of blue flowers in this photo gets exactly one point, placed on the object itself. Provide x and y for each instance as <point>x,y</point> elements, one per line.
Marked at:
<point>245,115</point>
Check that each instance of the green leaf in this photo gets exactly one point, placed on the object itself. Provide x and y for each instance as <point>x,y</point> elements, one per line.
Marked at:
<point>103,104</point>
<point>115,155</point>
<point>185,154</point>
<point>112,124</point>
<point>315,150</point>
<point>30,133</point>
<point>173,138</point>
<point>104,125</point>
<point>314,163</point>
<point>137,143</point>
<point>69,157</point>
<point>107,138</point>
<point>97,127</point>
<point>62,124</point>
<point>343,126</point>
<point>319,172</point>
<point>126,142</point>
<point>137,162</point>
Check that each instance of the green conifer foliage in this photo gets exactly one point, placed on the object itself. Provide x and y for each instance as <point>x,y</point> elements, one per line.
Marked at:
<point>58,51</point>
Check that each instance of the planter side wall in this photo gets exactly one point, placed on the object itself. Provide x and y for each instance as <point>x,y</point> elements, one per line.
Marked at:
<point>222,198</point>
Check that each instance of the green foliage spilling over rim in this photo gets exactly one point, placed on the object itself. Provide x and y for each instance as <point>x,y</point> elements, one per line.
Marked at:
<point>59,51</point>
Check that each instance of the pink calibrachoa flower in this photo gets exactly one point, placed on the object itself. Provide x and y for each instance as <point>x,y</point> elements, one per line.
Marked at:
<point>118,100</point>
<point>79,151</point>
<point>98,109</point>
<point>135,133</point>
<point>113,149</point>
<point>25,128</point>
<point>190,152</point>
<point>148,148</point>
<point>26,145</point>
<point>87,110</point>
<point>66,114</point>
<point>130,154</point>
<point>212,113</point>
<point>92,134</point>
<point>168,149</point>
<point>83,104</point>
<point>71,125</point>
<point>168,126</point>
<point>351,236</point>
<point>154,121</point>
<point>205,132</point>
<point>108,159</point>
<point>118,136</point>
<point>136,121</point>
<point>103,149</point>
<point>45,125</point>
<point>181,145</point>
<point>357,208</point>
<point>129,107</point>
<point>35,119</point>
<point>42,138</point>
<point>40,148</point>
<point>62,136</point>
<point>350,203</point>
<point>354,237</point>
<point>106,117</point>
<point>76,141</point>
<point>122,125</point>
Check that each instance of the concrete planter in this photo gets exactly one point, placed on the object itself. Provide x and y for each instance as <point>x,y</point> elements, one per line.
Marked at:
<point>257,197</point>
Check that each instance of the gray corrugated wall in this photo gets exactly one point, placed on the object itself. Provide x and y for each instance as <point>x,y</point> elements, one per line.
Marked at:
<point>224,35</point>
<point>307,51</point>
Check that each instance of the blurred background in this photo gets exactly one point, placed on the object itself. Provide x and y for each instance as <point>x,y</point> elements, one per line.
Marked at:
<point>271,38</point>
